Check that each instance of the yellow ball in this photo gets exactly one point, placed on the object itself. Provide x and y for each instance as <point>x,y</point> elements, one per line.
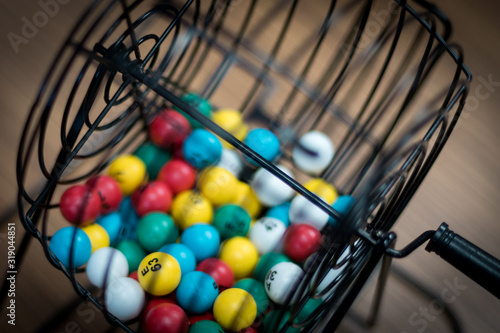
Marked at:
<point>99,237</point>
<point>159,273</point>
<point>246,199</point>
<point>235,309</point>
<point>190,207</point>
<point>129,171</point>
<point>217,185</point>
<point>322,189</point>
<point>241,255</point>
<point>232,122</point>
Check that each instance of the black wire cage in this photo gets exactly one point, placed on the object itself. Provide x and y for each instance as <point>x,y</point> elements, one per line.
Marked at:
<point>378,77</point>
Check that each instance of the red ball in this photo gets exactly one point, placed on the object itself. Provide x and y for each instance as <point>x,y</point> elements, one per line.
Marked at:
<point>80,204</point>
<point>133,275</point>
<point>199,317</point>
<point>219,271</point>
<point>168,129</point>
<point>249,329</point>
<point>155,196</point>
<point>166,318</point>
<point>154,302</point>
<point>301,240</point>
<point>178,175</point>
<point>109,191</point>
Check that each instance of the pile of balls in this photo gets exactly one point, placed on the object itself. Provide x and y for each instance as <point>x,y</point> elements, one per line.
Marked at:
<point>177,240</point>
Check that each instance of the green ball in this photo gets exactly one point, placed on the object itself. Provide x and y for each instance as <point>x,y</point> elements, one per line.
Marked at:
<point>231,221</point>
<point>155,230</point>
<point>311,305</point>
<point>270,323</point>
<point>133,252</point>
<point>258,292</point>
<point>198,103</point>
<point>205,326</point>
<point>154,158</point>
<point>265,263</point>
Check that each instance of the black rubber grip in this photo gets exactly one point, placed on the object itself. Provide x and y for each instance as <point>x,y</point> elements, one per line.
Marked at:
<point>474,262</point>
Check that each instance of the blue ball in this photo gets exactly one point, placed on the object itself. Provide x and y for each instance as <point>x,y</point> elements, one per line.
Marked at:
<point>197,291</point>
<point>130,220</point>
<point>263,142</point>
<point>112,223</point>
<point>201,148</point>
<point>60,244</point>
<point>202,239</point>
<point>343,205</point>
<point>280,212</point>
<point>183,254</point>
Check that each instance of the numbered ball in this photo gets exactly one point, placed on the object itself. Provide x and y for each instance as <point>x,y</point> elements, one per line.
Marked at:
<point>152,197</point>
<point>201,149</point>
<point>200,104</point>
<point>124,298</point>
<point>263,142</point>
<point>129,171</point>
<point>113,225</point>
<point>258,292</point>
<point>205,326</point>
<point>71,239</point>
<point>280,212</point>
<point>322,189</point>
<point>235,309</point>
<point>153,157</point>
<point>246,199</point>
<point>241,255</point>
<point>342,205</point>
<point>133,252</point>
<point>183,254</point>
<point>202,239</point>
<point>80,204</point>
<point>217,185</point>
<point>105,265</point>
<point>190,207</point>
<point>231,121</point>
<point>168,129</point>
<point>155,230</point>
<point>282,281</point>
<point>313,152</point>
<point>219,271</point>
<point>231,221</point>
<point>266,262</point>
<point>301,240</point>
<point>304,211</point>
<point>159,273</point>
<point>197,292</point>
<point>178,175</point>
<point>166,318</point>
<point>109,192</point>
<point>98,236</point>
<point>231,161</point>
<point>271,190</point>
<point>266,234</point>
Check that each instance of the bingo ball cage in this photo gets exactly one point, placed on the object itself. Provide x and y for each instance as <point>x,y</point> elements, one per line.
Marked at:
<point>379,78</point>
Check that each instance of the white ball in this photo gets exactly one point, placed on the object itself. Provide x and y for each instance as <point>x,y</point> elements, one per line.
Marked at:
<point>313,152</point>
<point>107,264</point>
<point>282,281</point>
<point>330,276</point>
<point>270,190</point>
<point>231,161</point>
<point>266,234</point>
<point>124,298</point>
<point>304,211</point>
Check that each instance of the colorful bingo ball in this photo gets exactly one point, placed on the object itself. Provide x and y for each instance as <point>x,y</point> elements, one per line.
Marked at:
<point>270,190</point>
<point>263,142</point>
<point>258,292</point>
<point>241,255</point>
<point>202,148</point>
<point>129,171</point>
<point>112,223</point>
<point>133,252</point>
<point>232,122</point>
<point>206,326</point>
<point>155,230</point>
<point>219,271</point>
<point>191,207</point>
<point>231,221</point>
<point>197,292</point>
<point>200,104</point>
<point>301,240</point>
<point>178,175</point>
<point>194,318</point>
<point>154,301</point>
<point>80,204</point>
<point>105,265</point>
<point>168,129</point>
<point>231,161</point>
<point>98,236</point>
<point>202,239</point>
<point>313,152</point>
<point>280,212</point>
<point>124,298</point>
<point>183,254</point>
<point>235,309</point>
<point>217,185</point>
<point>71,237</point>
<point>166,318</point>
<point>270,323</point>
<point>266,234</point>
<point>342,205</point>
<point>109,192</point>
<point>246,199</point>
<point>153,157</point>
<point>266,262</point>
<point>159,273</point>
<point>282,281</point>
<point>130,220</point>
<point>152,197</point>
<point>304,211</point>
<point>322,189</point>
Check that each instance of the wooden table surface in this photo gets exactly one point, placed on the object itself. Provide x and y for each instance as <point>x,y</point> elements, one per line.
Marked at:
<point>462,187</point>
